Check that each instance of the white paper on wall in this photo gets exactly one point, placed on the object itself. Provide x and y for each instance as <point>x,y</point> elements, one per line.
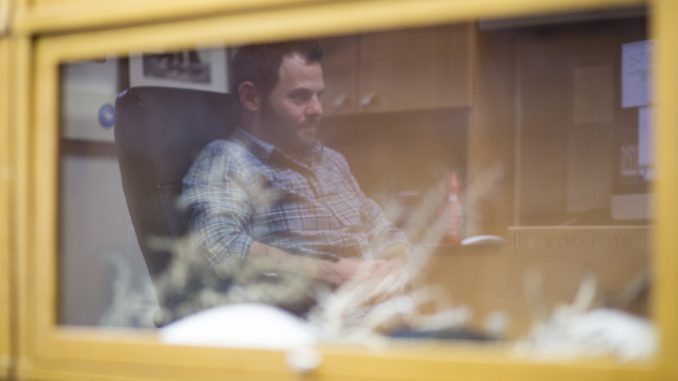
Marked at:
<point>87,100</point>
<point>636,74</point>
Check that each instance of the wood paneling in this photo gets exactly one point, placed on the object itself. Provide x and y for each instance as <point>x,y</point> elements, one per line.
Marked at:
<point>340,69</point>
<point>491,136</point>
<point>415,69</point>
<point>527,81</point>
<point>493,280</point>
<point>568,156</point>
<point>405,70</point>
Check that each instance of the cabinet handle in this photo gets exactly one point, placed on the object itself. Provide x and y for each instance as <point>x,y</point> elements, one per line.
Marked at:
<point>367,99</point>
<point>340,101</point>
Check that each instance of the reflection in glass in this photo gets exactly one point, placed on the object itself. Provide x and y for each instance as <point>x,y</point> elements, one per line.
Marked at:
<point>448,182</point>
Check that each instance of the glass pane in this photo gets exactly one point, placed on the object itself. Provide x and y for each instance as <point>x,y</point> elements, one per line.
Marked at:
<point>483,181</point>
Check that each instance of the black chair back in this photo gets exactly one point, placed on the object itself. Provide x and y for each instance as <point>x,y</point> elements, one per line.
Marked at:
<point>159,132</point>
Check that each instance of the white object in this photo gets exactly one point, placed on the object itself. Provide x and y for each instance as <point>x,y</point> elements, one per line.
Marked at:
<point>303,359</point>
<point>483,240</point>
<point>243,326</point>
<point>636,74</point>
<point>340,101</point>
<point>367,99</point>
<point>569,333</point>
<point>496,323</point>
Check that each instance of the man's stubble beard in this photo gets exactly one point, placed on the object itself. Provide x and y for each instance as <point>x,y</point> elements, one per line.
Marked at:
<point>285,135</point>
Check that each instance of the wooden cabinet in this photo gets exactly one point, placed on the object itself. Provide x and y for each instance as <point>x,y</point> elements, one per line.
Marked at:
<point>545,121</point>
<point>415,69</point>
<point>340,68</point>
<point>376,73</point>
<point>571,121</point>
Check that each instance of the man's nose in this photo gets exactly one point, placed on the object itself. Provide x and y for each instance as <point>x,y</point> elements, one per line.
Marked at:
<point>315,106</point>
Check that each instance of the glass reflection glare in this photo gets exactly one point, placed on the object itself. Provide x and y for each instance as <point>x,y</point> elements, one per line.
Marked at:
<point>463,182</point>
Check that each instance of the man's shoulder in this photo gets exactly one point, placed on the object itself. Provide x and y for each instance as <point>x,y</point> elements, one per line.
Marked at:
<point>227,150</point>
<point>334,157</point>
<point>225,147</point>
<point>220,157</point>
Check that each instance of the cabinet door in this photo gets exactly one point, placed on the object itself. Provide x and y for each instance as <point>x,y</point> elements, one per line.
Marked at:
<point>571,118</point>
<point>340,61</point>
<point>415,69</point>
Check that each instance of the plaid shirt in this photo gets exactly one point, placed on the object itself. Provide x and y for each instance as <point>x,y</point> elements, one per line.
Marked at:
<point>243,190</point>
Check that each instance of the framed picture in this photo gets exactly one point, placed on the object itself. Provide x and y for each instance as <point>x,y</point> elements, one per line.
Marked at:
<point>204,69</point>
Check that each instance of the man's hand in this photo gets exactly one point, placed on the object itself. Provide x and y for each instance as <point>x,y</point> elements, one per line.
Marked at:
<point>370,271</point>
<point>387,277</point>
<point>269,258</point>
<point>397,251</point>
<point>377,279</point>
<point>384,277</point>
<point>340,272</point>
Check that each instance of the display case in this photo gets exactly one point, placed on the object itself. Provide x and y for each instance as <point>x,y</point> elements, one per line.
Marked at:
<point>64,187</point>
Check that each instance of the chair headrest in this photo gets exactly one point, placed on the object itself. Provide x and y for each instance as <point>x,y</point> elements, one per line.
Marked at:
<point>159,132</point>
<point>169,127</point>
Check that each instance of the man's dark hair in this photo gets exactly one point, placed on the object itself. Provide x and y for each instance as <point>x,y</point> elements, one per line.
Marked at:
<point>259,64</point>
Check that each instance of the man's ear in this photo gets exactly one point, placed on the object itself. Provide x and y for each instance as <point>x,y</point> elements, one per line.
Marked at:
<point>249,96</point>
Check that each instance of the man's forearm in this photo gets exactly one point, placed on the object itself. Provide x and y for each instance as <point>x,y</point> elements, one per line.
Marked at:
<point>269,258</point>
<point>397,250</point>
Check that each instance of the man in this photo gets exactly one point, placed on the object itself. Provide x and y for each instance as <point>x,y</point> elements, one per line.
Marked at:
<point>274,196</point>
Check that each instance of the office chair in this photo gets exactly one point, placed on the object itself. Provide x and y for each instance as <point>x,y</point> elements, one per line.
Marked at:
<point>159,132</point>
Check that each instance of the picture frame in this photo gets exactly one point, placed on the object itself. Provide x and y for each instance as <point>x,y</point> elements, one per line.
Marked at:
<point>197,69</point>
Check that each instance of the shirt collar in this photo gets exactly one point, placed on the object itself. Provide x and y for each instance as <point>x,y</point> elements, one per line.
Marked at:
<point>257,146</point>
<point>265,150</point>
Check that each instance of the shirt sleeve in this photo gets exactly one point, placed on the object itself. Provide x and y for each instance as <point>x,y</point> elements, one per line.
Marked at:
<point>218,208</point>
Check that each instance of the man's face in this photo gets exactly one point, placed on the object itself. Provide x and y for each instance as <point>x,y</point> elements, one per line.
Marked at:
<point>291,113</point>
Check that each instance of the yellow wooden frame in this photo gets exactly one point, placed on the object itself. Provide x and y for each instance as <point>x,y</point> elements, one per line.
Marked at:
<point>61,15</point>
<point>5,12</point>
<point>5,265</point>
<point>48,351</point>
